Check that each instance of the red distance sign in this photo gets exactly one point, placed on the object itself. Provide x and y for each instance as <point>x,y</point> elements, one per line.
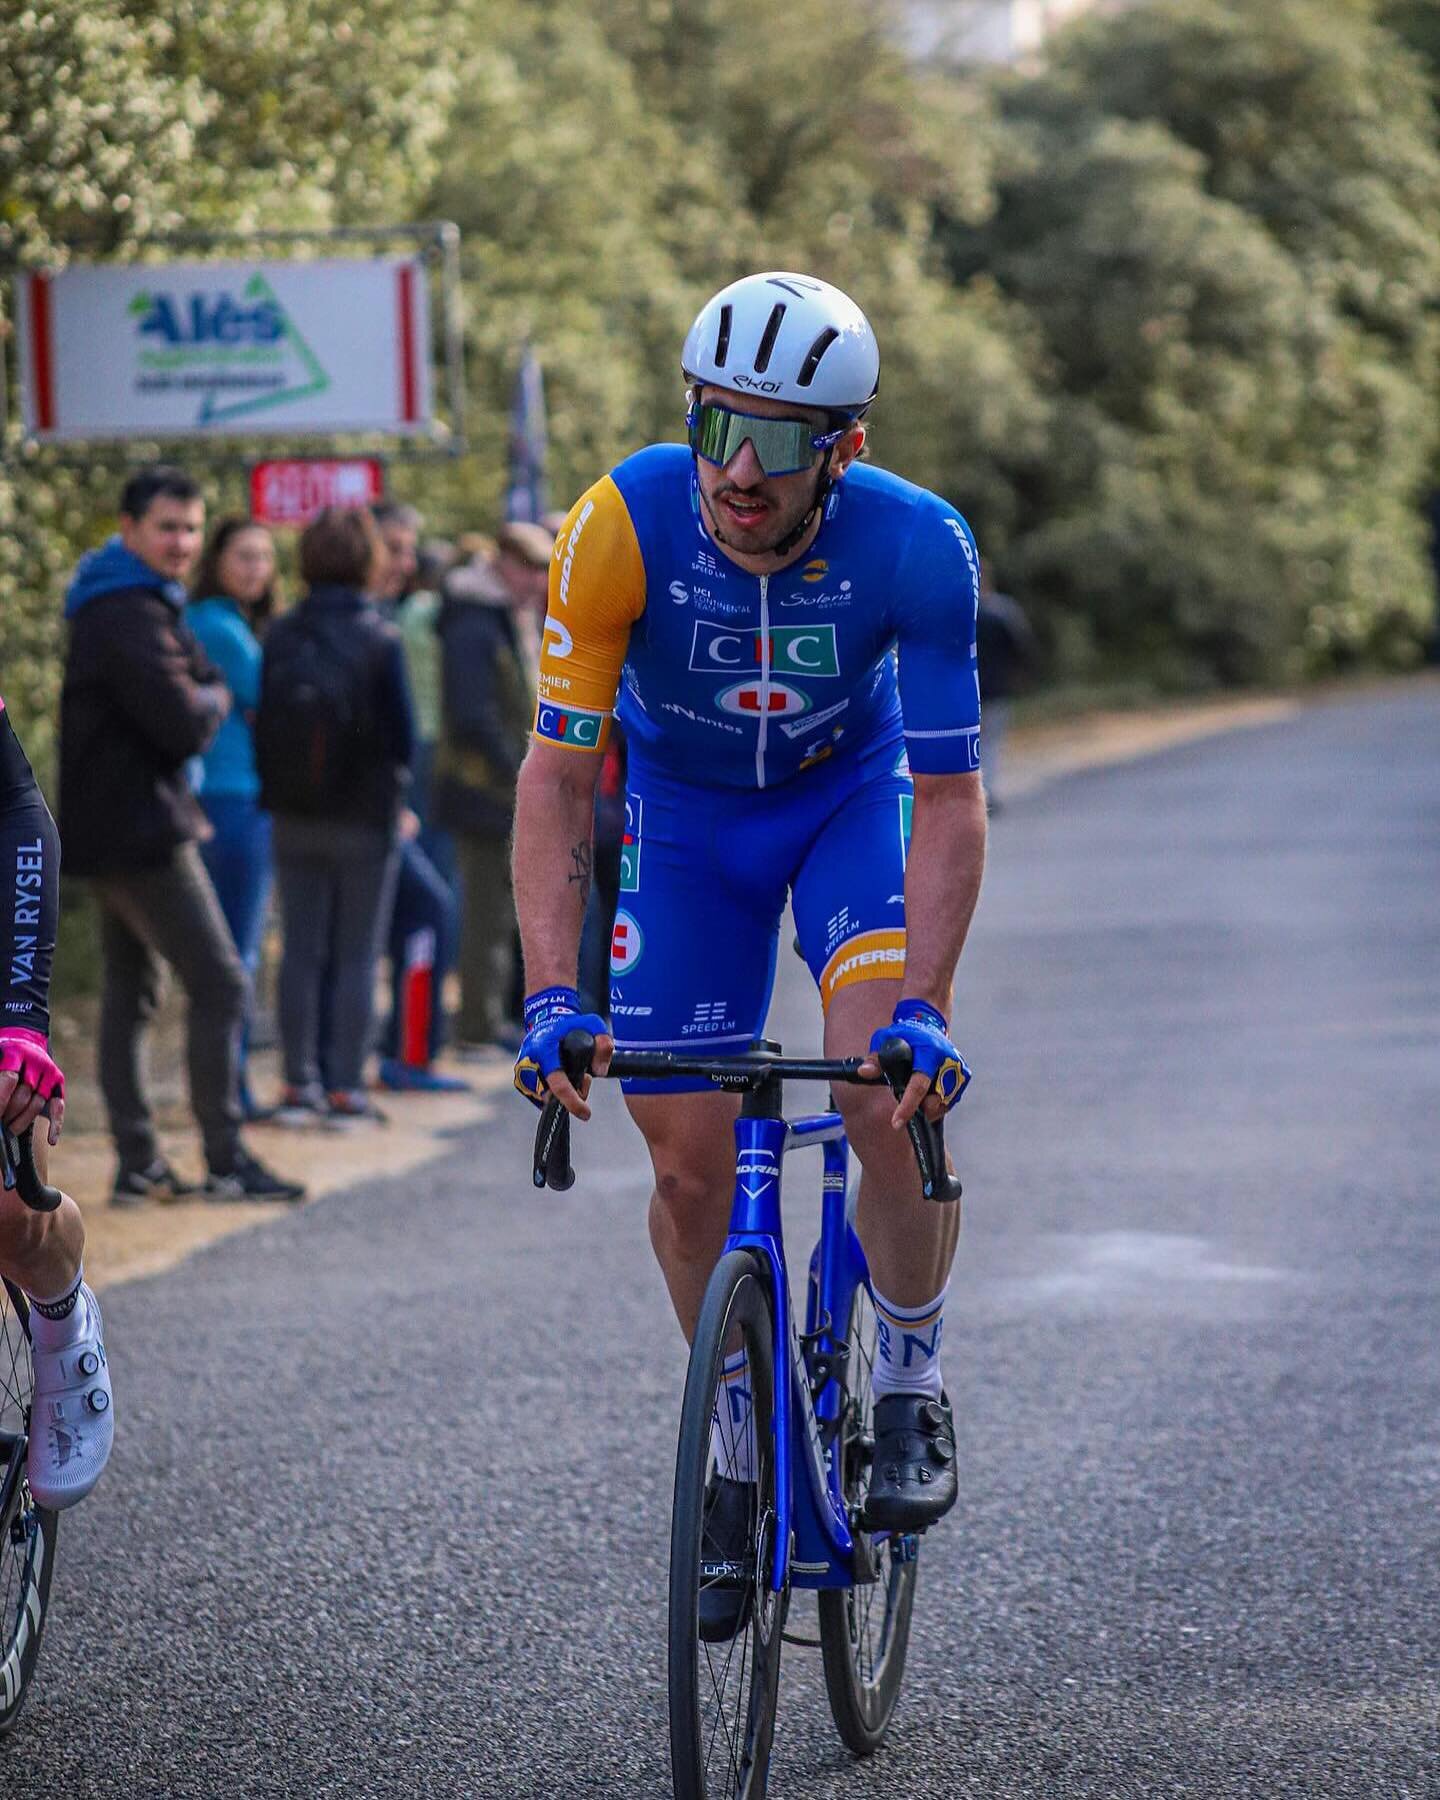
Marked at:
<point>292,490</point>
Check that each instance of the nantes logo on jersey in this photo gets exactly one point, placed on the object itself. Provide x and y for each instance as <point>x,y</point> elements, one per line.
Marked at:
<point>794,649</point>
<point>569,725</point>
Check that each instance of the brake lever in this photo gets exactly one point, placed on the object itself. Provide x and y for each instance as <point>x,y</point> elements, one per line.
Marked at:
<point>927,1136</point>
<point>551,1163</point>
<point>17,1165</point>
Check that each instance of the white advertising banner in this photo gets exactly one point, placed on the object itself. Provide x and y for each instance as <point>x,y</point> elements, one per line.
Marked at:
<point>225,349</point>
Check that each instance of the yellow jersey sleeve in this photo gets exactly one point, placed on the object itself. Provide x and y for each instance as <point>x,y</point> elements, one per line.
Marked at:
<point>597,592</point>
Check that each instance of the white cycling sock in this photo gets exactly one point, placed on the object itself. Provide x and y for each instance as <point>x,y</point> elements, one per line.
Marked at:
<point>732,1427</point>
<point>59,1319</point>
<point>907,1347</point>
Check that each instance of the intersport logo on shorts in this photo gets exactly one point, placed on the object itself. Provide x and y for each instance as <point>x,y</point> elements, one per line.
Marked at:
<point>794,649</point>
<point>869,956</point>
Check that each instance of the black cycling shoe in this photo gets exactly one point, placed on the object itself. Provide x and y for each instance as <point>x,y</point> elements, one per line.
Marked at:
<point>913,1480</point>
<point>727,1559</point>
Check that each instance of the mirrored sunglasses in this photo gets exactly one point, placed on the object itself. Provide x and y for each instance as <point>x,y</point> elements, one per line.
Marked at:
<point>782,446</point>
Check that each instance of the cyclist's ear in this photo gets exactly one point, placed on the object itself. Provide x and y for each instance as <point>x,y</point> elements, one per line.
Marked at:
<point>845,452</point>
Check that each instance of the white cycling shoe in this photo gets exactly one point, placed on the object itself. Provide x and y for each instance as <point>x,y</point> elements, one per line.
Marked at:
<point>72,1424</point>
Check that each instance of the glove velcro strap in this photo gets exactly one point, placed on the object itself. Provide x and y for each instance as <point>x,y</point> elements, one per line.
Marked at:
<point>921,1012</point>
<point>547,1003</point>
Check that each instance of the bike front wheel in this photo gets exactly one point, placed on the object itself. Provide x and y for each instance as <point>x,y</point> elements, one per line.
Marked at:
<point>865,1629</point>
<point>27,1531</point>
<point>723,1689</point>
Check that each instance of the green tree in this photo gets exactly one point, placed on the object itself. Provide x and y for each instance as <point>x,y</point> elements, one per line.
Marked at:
<point>1223,220</point>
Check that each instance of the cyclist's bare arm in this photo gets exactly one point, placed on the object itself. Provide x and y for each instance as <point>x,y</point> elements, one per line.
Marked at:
<point>554,815</point>
<point>943,868</point>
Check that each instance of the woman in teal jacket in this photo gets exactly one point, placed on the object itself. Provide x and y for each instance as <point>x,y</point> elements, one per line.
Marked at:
<point>234,593</point>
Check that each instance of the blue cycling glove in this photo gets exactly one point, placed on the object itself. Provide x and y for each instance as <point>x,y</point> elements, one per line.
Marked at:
<point>549,1015</point>
<point>923,1028</point>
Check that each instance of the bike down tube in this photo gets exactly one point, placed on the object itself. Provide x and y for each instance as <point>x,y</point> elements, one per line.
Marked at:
<point>812,1515</point>
<point>755,1225</point>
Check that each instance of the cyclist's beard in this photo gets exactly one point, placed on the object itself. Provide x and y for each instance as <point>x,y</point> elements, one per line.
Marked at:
<point>787,531</point>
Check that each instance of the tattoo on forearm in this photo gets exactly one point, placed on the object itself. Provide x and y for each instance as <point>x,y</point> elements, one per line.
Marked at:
<point>580,858</point>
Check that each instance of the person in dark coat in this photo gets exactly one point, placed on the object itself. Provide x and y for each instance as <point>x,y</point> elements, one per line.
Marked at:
<point>337,828</point>
<point>1005,654</point>
<point>140,700</point>
<point>489,629</point>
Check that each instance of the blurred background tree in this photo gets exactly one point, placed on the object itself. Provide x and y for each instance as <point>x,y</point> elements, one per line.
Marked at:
<point>1158,314</point>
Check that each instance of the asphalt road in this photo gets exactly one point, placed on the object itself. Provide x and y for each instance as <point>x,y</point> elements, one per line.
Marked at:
<point>389,1508</point>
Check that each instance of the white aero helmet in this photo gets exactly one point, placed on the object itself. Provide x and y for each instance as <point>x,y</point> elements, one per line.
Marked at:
<point>789,337</point>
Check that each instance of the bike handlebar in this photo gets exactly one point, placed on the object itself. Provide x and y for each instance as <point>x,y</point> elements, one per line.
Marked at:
<point>18,1171</point>
<point>745,1073</point>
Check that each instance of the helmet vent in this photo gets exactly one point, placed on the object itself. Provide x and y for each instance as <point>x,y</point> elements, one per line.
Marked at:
<point>812,360</point>
<point>768,337</point>
<point>722,342</point>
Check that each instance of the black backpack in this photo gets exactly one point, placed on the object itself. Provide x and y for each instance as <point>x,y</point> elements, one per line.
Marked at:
<point>314,728</point>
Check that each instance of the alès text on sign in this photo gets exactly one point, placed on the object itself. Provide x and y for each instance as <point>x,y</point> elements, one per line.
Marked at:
<point>293,490</point>
<point>225,349</point>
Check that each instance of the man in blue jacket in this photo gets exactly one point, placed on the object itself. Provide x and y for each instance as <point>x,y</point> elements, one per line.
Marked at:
<point>140,699</point>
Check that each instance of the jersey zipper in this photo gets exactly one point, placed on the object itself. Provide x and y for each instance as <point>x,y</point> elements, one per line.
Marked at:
<point>764,681</point>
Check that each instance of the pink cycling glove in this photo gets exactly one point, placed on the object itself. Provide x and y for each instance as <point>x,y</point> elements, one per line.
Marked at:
<point>27,1054</point>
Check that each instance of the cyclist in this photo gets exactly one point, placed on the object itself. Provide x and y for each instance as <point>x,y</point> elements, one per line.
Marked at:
<point>72,1425</point>
<point>744,596</point>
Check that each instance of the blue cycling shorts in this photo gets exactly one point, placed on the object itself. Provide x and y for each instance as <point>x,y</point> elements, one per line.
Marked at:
<point>705,872</point>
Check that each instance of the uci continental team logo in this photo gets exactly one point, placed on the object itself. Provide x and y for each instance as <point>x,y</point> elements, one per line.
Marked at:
<point>569,725</point>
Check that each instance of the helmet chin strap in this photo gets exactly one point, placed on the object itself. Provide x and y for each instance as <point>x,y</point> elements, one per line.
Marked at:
<point>822,488</point>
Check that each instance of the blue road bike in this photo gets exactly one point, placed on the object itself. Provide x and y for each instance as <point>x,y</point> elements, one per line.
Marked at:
<point>803,1397</point>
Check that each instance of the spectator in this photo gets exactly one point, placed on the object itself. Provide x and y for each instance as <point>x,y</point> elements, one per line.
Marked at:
<point>1005,653</point>
<point>140,699</point>
<point>489,618</point>
<point>234,589</point>
<point>424,920</point>
<point>335,737</point>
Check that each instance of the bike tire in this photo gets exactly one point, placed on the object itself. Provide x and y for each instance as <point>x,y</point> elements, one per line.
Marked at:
<point>27,1532</point>
<point>864,1654</point>
<point>719,1744</point>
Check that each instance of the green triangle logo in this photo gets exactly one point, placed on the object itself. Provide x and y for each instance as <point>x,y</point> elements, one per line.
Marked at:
<point>311,377</point>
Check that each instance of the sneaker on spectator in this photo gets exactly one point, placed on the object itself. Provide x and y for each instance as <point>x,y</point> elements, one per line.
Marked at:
<point>301,1108</point>
<point>156,1181</point>
<point>401,1078</point>
<point>248,1179</point>
<point>348,1107</point>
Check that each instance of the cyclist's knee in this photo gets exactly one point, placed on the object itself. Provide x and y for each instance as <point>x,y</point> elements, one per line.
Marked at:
<point>867,1113</point>
<point>684,1189</point>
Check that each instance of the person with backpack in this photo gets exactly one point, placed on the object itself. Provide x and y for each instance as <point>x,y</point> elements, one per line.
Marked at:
<point>334,739</point>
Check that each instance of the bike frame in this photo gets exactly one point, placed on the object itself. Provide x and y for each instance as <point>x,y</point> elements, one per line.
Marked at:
<point>814,1545</point>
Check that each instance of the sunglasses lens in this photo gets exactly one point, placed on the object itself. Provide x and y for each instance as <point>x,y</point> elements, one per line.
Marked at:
<point>782,446</point>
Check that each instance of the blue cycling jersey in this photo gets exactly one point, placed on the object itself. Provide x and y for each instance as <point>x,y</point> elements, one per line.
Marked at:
<point>736,680</point>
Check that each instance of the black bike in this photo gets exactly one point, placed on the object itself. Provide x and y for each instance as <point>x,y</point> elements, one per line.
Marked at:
<point>27,1531</point>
